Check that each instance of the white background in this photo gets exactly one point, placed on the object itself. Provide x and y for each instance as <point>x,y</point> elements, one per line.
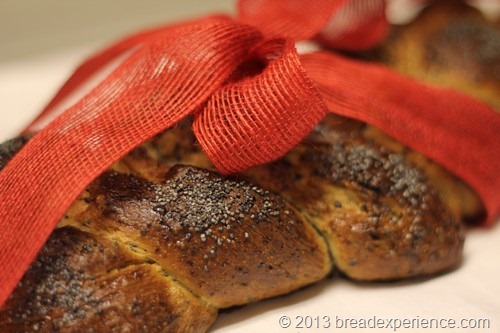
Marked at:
<point>41,42</point>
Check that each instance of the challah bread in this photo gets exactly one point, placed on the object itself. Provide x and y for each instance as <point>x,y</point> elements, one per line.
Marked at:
<point>160,241</point>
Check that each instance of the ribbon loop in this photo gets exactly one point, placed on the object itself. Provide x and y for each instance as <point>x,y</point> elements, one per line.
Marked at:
<point>258,119</point>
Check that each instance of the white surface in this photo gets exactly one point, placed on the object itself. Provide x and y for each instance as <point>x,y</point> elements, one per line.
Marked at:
<point>29,80</point>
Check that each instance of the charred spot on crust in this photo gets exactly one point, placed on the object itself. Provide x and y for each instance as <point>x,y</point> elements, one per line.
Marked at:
<point>52,282</point>
<point>9,148</point>
<point>82,282</point>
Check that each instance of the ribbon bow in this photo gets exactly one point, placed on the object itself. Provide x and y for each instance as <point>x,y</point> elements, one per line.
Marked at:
<point>252,98</point>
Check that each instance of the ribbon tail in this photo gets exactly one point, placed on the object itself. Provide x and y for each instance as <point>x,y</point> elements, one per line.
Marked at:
<point>166,79</point>
<point>95,65</point>
<point>455,130</point>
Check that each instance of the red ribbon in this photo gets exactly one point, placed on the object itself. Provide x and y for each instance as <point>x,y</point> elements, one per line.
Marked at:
<point>253,98</point>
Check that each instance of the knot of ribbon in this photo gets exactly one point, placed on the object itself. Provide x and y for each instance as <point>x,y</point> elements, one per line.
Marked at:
<point>252,97</point>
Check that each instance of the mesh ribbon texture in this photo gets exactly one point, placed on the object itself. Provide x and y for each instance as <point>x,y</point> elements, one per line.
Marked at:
<point>253,98</point>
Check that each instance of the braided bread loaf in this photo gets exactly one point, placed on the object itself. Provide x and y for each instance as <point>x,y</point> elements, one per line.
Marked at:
<point>160,242</point>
